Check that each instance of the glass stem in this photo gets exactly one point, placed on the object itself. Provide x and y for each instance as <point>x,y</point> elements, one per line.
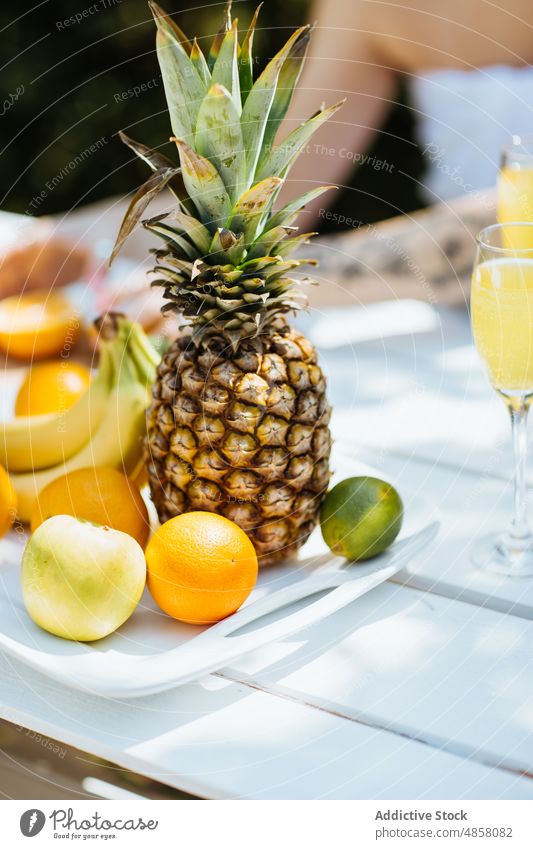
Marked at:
<point>519,532</point>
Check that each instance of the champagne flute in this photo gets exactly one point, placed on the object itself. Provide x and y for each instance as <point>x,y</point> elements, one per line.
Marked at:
<point>502,325</point>
<point>515,186</point>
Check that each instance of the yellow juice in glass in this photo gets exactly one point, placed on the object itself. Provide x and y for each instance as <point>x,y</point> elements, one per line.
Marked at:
<point>515,202</point>
<point>502,321</point>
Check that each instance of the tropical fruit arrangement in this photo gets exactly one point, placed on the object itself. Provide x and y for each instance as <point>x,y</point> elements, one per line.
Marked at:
<point>230,426</point>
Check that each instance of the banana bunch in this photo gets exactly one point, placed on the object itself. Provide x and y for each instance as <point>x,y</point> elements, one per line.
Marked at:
<point>105,427</point>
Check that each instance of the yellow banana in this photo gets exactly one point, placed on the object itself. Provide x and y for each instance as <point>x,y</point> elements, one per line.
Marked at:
<point>38,442</point>
<point>117,442</point>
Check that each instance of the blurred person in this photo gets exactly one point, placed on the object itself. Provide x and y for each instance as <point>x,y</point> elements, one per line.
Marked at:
<point>466,65</point>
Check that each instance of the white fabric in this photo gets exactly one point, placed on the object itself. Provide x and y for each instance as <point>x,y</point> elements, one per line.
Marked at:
<point>464,119</point>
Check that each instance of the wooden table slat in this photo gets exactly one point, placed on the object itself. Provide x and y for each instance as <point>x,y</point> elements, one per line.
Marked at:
<point>233,741</point>
<point>447,673</point>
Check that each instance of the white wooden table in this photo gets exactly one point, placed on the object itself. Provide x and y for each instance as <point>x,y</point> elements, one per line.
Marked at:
<point>423,688</point>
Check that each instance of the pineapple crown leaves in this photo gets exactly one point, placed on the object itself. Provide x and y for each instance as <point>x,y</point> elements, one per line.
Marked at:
<point>224,260</point>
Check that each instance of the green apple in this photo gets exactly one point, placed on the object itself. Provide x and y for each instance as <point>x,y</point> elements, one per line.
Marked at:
<point>81,581</point>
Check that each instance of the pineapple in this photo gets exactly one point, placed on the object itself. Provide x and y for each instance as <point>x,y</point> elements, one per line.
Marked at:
<point>239,419</point>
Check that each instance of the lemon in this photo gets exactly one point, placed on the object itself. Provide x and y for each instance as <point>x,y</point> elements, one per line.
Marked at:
<point>361,517</point>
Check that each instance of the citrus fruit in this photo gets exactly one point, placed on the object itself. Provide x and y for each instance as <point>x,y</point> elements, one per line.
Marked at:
<point>51,388</point>
<point>96,494</point>
<point>8,503</point>
<point>361,517</point>
<point>201,567</point>
<point>37,325</point>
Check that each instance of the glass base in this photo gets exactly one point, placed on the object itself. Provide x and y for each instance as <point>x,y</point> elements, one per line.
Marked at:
<point>499,554</point>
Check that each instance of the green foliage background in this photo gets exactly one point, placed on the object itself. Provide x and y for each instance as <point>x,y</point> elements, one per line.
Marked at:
<point>73,73</point>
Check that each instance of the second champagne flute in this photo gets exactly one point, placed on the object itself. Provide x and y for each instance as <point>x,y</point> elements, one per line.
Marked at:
<point>515,188</point>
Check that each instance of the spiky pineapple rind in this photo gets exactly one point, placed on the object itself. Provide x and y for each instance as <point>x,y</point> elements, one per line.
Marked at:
<point>242,434</point>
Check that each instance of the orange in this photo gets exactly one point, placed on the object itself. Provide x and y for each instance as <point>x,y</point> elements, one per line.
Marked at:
<point>51,388</point>
<point>97,494</point>
<point>201,567</point>
<point>37,325</point>
<point>8,503</point>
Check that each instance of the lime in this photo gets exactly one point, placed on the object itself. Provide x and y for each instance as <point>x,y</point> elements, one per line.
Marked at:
<point>361,517</point>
